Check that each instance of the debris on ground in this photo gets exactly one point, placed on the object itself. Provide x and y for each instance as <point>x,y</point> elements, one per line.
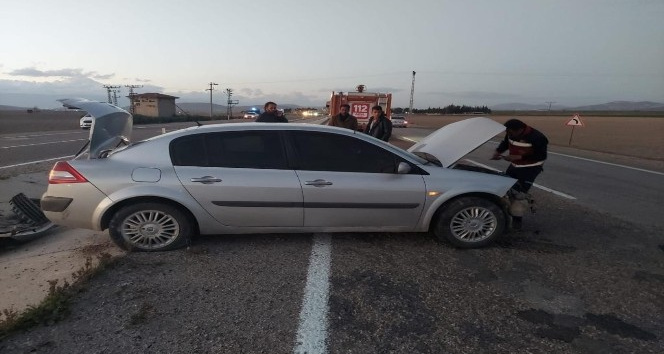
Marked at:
<point>26,220</point>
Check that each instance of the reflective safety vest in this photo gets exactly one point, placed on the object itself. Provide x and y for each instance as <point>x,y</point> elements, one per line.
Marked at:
<point>523,148</point>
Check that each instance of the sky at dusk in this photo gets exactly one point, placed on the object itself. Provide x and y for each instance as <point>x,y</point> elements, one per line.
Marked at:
<point>473,52</point>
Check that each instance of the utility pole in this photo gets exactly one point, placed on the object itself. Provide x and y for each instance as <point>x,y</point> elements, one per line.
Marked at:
<point>115,97</point>
<point>210,89</point>
<point>131,96</point>
<point>110,88</point>
<point>230,103</point>
<point>412,93</point>
<point>550,103</point>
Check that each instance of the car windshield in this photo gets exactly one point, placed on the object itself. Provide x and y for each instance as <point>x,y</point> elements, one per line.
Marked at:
<point>428,157</point>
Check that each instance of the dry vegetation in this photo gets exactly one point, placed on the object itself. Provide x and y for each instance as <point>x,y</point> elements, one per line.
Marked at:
<point>55,306</point>
<point>629,136</point>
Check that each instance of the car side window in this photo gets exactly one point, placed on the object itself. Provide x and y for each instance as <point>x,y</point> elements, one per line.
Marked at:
<point>318,151</point>
<point>246,149</point>
<point>242,149</point>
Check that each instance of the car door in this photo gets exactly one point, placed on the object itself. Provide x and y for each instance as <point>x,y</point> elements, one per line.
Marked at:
<point>240,177</point>
<point>351,183</point>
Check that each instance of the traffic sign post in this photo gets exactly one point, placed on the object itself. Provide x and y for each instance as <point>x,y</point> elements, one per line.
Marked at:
<point>574,122</point>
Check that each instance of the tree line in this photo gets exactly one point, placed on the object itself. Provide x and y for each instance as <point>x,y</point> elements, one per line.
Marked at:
<point>451,109</point>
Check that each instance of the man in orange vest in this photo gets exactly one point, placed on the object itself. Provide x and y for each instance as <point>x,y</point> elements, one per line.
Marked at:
<point>527,148</point>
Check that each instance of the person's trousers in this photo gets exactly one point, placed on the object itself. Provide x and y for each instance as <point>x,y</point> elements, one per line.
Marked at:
<point>525,175</point>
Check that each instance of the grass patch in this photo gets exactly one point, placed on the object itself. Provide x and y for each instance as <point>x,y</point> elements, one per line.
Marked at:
<point>55,307</point>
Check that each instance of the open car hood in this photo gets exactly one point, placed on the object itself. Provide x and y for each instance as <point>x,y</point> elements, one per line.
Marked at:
<point>111,125</point>
<point>453,141</point>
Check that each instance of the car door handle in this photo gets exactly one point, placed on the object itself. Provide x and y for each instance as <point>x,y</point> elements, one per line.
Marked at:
<point>318,183</point>
<point>206,180</point>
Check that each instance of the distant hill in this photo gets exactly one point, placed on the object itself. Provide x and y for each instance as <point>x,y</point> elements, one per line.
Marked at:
<point>525,107</point>
<point>11,108</point>
<point>203,108</point>
<point>624,106</point>
<point>610,106</point>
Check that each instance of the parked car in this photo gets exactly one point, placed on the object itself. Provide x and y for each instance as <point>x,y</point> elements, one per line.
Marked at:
<point>250,115</point>
<point>246,178</point>
<point>86,121</point>
<point>399,121</point>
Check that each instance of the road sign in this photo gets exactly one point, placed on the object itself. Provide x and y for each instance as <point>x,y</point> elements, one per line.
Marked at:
<point>575,121</point>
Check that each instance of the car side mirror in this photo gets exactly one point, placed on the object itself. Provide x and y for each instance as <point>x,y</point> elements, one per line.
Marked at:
<point>403,168</point>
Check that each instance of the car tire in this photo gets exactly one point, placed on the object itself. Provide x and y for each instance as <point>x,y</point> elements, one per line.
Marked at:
<point>470,222</point>
<point>150,227</point>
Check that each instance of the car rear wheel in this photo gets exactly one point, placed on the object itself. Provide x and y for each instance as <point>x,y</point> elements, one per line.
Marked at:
<point>150,227</point>
<point>470,222</point>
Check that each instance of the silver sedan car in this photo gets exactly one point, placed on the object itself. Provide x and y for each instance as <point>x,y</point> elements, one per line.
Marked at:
<point>243,178</point>
<point>399,121</point>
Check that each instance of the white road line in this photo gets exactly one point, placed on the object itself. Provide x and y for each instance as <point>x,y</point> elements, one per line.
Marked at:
<point>39,161</point>
<point>601,162</point>
<point>608,163</point>
<point>36,135</point>
<point>312,329</point>
<point>560,194</point>
<point>409,139</point>
<point>52,142</point>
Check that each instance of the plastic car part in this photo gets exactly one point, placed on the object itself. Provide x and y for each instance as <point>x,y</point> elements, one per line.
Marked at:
<point>31,222</point>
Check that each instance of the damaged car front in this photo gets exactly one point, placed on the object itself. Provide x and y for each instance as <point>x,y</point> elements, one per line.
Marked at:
<point>445,148</point>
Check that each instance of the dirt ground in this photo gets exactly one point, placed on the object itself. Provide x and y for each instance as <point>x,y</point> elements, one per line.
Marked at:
<point>27,267</point>
<point>624,136</point>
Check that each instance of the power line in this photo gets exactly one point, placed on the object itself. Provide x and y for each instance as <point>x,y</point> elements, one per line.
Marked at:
<point>230,103</point>
<point>109,89</point>
<point>211,89</point>
<point>131,96</point>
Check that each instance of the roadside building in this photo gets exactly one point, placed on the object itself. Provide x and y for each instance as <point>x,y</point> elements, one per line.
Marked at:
<point>153,104</point>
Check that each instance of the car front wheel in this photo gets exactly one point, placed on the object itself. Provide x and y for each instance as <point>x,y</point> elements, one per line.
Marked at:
<point>470,222</point>
<point>150,227</point>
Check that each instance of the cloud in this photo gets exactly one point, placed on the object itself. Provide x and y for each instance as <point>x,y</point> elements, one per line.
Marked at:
<point>102,77</point>
<point>44,94</point>
<point>67,72</point>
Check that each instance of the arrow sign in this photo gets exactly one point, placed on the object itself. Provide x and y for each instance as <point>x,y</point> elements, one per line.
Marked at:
<point>575,121</point>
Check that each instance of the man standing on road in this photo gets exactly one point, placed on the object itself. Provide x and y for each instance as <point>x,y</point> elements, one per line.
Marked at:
<point>344,119</point>
<point>271,114</point>
<point>527,151</point>
<point>379,126</point>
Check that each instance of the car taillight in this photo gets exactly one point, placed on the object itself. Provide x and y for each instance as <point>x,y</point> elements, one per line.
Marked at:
<point>63,172</point>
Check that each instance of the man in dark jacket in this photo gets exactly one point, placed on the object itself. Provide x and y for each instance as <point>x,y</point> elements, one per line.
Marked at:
<point>527,148</point>
<point>271,114</point>
<point>344,119</point>
<point>379,126</point>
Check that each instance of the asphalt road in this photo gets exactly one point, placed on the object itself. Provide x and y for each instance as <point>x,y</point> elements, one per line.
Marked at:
<point>577,278</point>
<point>630,192</point>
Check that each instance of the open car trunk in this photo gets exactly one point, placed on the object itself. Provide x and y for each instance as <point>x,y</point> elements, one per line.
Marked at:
<point>111,126</point>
